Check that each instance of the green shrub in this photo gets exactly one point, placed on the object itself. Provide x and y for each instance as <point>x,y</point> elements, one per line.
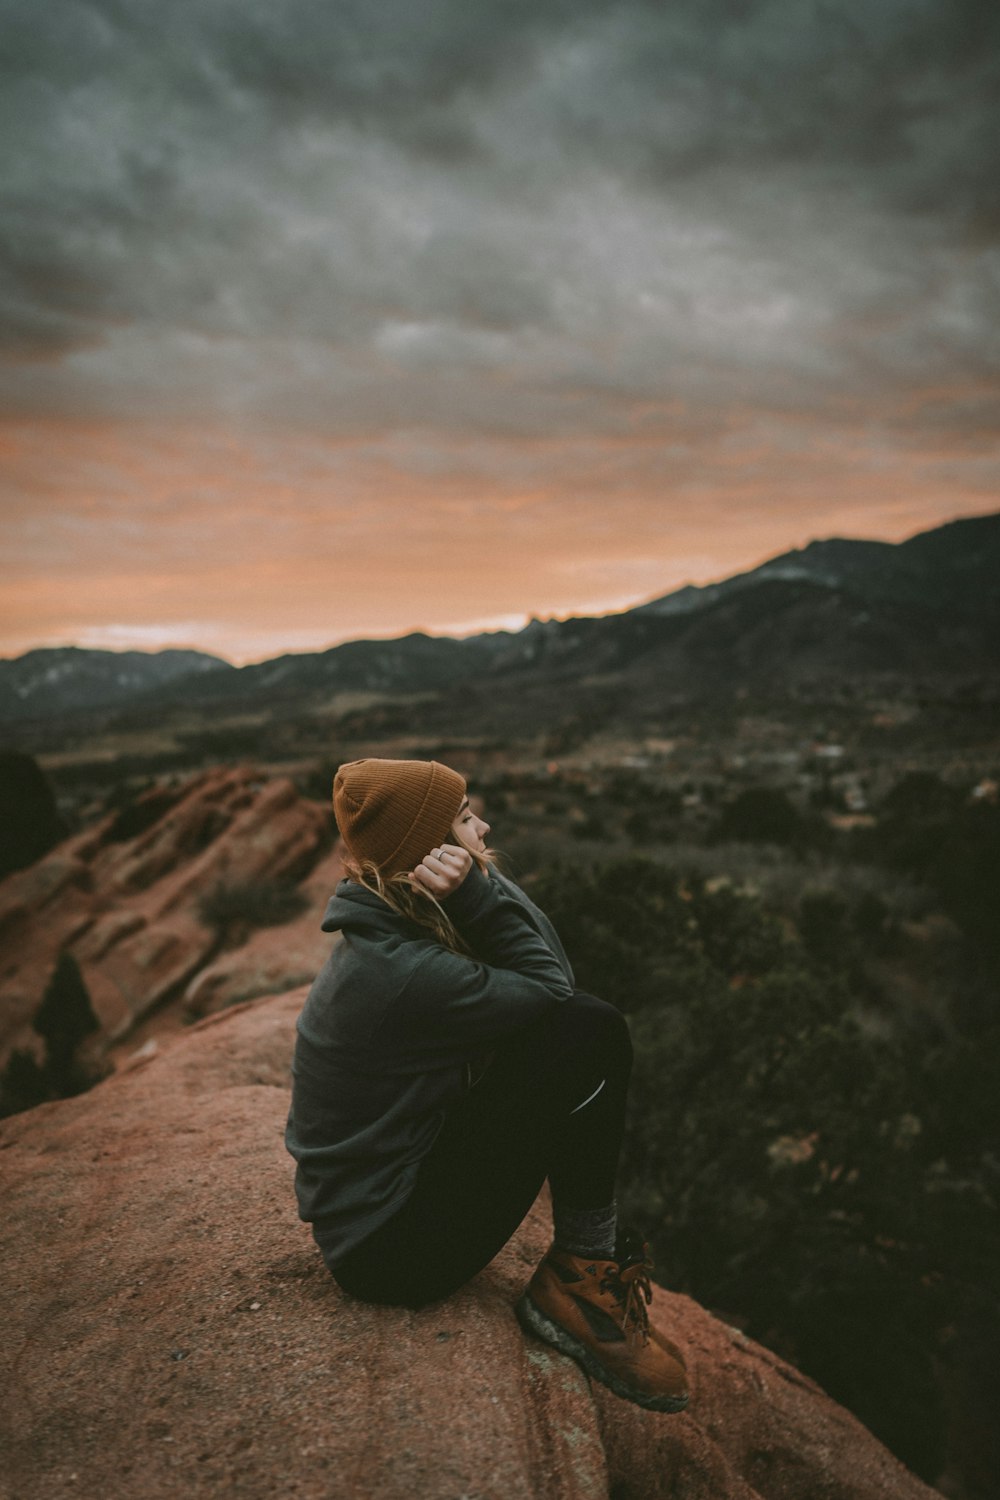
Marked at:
<point>23,1083</point>
<point>938,836</point>
<point>31,821</point>
<point>63,1020</point>
<point>761,815</point>
<point>251,903</point>
<point>833,1189</point>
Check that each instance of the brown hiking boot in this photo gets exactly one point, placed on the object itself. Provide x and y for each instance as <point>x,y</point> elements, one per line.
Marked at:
<point>595,1311</point>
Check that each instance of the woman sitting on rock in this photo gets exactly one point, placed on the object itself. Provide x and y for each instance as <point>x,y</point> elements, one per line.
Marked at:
<point>445,1065</point>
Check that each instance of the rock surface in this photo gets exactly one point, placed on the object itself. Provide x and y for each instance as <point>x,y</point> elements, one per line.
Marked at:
<point>170,1330</point>
<point>125,899</point>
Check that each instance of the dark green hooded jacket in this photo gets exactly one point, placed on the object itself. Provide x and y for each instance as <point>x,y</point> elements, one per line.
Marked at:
<point>387,1037</point>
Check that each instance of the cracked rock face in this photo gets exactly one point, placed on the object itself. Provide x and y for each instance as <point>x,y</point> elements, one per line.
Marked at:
<point>171,1330</point>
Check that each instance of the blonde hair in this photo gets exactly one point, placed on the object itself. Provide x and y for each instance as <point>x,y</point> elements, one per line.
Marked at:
<point>413,903</point>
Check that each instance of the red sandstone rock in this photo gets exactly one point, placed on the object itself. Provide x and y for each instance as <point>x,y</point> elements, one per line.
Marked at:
<point>272,958</point>
<point>171,1330</point>
<point>128,908</point>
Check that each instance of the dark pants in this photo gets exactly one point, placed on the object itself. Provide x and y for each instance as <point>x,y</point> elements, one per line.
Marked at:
<point>521,1123</point>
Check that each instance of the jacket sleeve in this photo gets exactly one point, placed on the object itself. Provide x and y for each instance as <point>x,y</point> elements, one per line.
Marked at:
<point>456,1004</point>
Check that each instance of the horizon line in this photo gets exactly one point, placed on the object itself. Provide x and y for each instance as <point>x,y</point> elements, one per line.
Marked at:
<point>488,627</point>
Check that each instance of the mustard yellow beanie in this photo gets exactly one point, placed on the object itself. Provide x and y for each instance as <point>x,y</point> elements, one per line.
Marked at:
<point>393,812</point>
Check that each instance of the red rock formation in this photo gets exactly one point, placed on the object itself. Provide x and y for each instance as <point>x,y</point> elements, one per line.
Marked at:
<point>272,958</point>
<point>127,905</point>
<point>171,1331</point>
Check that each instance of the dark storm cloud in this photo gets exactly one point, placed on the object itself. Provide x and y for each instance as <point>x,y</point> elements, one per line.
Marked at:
<point>293,206</point>
<point>902,92</point>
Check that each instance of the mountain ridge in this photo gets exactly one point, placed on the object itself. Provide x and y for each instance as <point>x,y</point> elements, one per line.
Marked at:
<point>62,678</point>
<point>924,609</point>
<point>890,570</point>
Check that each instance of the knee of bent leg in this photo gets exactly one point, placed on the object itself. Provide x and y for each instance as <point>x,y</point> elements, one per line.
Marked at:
<point>603,1024</point>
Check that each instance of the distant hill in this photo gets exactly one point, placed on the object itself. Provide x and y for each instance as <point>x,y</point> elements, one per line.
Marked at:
<point>781,640</point>
<point>50,682</point>
<point>413,663</point>
<point>955,566</point>
<point>837,618</point>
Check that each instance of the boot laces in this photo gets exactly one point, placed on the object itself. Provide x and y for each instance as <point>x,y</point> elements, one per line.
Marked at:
<point>629,1284</point>
<point>638,1296</point>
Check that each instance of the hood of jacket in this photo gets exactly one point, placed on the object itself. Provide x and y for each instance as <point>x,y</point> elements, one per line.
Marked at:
<point>353,908</point>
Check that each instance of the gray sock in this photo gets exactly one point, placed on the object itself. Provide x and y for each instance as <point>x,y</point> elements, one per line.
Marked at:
<point>588,1232</point>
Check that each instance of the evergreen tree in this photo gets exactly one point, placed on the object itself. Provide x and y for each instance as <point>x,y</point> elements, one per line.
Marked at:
<point>23,1083</point>
<point>63,1019</point>
<point>31,822</point>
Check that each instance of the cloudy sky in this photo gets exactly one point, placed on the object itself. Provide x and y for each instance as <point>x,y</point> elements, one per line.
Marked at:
<point>328,318</point>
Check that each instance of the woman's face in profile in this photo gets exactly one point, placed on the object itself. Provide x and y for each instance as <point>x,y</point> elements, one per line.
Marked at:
<point>471,828</point>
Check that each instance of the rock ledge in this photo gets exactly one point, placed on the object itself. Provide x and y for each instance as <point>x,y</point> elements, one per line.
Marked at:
<point>172,1331</point>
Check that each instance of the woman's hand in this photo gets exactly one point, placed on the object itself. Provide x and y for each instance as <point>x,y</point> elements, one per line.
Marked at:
<point>443,870</point>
